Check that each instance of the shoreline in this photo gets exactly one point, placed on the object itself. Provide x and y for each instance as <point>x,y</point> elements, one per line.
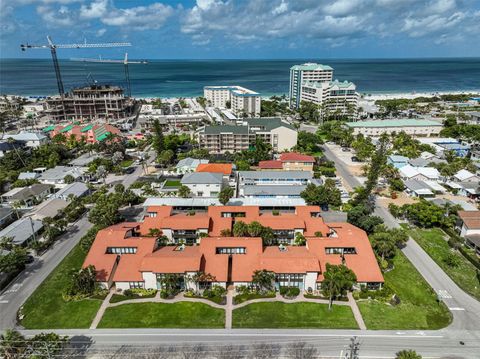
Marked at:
<point>364,96</point>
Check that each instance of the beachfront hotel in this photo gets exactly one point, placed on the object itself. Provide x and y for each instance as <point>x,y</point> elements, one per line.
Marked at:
<point>314,83</point>
<point>412,127</point>
<point>243,102</point>
<point>125,256</point>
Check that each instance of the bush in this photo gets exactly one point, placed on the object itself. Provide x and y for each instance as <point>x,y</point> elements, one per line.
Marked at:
<point>215,291</point>
<point>289,292</point>
<point>141,292</point>
<point>275,212</point>
<point>242,289</point>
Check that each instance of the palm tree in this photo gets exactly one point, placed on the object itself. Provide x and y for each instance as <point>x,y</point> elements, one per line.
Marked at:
<point>13,344</point>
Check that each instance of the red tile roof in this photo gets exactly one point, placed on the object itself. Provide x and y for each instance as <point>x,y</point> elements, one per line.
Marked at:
<point>296,157</point>
<point>225,168</point>
<point>270,165</point>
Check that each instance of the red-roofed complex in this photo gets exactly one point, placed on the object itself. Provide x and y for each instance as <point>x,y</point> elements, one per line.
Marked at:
<point>126,256</point>
<point>289,161</point>
<point>90,133</point>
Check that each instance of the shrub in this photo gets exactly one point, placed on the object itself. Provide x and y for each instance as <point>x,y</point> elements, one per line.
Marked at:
<point>141,292</point>
<point>289,292</point>
<point>275,212</point>
<point>242,289</point>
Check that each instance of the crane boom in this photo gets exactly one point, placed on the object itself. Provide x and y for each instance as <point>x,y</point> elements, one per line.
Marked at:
<point>53,49</point>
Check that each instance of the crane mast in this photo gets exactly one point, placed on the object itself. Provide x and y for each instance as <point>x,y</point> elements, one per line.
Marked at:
<point>53,50</point>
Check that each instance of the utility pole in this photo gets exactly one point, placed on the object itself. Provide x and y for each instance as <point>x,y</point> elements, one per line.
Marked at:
<point>353,349</point>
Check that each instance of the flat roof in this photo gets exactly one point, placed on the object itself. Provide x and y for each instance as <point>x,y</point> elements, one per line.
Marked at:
<point>407,122</point>
<point>311,66</point>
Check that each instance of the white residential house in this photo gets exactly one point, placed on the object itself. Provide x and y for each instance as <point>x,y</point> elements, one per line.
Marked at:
<point>419,173</point>
<point>188,165</point>
<point>465,176</point>
<point>203,184</point>
<point>31,139</point>
<point>468,224</point>
<point>56,176</point>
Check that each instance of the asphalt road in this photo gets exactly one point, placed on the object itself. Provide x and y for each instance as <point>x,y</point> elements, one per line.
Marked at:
<point>330,343</point>
<point>465,309</point>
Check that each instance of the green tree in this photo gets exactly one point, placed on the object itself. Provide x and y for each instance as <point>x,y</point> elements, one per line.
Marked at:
<point>240,229</point>
<point>165,157</point>
<point>383,245</point>
<point>47,345</point>
<point>323,195</point>
<point>300,239</point>
<point>157,140</point>
<point>184,192</point>
<point>106,210</point>
<point>255,229</point>
<point>83,282</point>
<point>363,146</point>
<point>68,179</point>
<point>13,261</point>
<point>13,344</point>
<point>407,354</point>
<point>337,280</point>
<point>242,165</point>
<point>225,194</point>
<point>263,280</point>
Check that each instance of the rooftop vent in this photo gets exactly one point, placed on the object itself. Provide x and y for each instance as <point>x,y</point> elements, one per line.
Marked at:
<point>282,248</point>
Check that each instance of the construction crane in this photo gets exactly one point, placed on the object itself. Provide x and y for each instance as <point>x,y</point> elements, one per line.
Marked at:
<point>53,49</point>
<point>125,62</point>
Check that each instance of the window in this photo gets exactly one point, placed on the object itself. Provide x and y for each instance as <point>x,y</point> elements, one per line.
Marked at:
<point>340,250</point>
<point>290,279</point>
<point>231,250</point>
<point>136,285</point>
<point>121,250</point>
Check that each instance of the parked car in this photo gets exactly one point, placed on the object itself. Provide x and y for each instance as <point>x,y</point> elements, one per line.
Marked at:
<point>30,259</point>
<point>129,170</point>
<point>345,149</point>
<point>355,159</point>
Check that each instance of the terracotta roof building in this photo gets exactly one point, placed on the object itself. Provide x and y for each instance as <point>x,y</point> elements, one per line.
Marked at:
<point>125,256</point>
<point>289,161</point>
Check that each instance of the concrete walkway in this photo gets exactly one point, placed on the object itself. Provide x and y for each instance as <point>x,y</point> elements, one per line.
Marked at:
<point>229,309</point>
<point>101,311</point>
<point>356,311</point>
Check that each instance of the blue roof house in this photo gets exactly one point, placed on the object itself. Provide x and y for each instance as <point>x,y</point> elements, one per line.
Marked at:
<point>397,161</point>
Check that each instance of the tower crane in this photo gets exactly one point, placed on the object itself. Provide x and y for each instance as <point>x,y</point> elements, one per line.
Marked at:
<point>53,50</point>
<point>125,62</point>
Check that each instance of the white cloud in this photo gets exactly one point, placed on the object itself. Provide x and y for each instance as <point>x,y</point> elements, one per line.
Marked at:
<point>153,16</point>
<point>96,9</point>
<point>55,17</point>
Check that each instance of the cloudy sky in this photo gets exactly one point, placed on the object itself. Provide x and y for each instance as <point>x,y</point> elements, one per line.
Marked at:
<point>246,28</point>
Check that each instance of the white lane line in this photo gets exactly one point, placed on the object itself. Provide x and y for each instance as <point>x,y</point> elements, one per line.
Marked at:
<point>456,308</point>
<point>3,301</point>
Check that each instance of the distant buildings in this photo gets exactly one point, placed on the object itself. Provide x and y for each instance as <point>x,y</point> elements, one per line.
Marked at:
<point>28,139</point>
<point>89,103</point>
<point>243,102</point>
<point>314,83</point>
<point>413,127</point>
<point>234,138</point>
<point>203,184</point>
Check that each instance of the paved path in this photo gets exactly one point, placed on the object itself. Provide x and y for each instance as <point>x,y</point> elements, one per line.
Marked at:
<point>102,309</point>
<point>356,311</point>
<point>229,309</point>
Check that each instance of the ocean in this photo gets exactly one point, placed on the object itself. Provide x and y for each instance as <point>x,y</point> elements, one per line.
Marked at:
<point>186,78</point>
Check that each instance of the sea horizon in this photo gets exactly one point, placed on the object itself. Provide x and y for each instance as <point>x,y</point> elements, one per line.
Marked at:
<point>186,77</point>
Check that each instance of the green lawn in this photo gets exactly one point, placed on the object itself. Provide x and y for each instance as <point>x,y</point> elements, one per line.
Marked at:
<point>126,163</point>
<point>46,309</point>
<point>162,315</point>
<point>418,308</point>
<point>240,298</point>
<point>293,315</point>
<point>464,274</point>
<point>172,183</point>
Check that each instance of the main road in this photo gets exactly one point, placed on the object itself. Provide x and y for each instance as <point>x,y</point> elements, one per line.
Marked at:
<point>465,309</point>
<point>22,287</point>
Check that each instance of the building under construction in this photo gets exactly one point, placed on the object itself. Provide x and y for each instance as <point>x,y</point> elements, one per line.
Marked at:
<point>95,102</point>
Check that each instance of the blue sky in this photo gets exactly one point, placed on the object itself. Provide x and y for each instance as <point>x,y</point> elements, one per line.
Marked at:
<point>246,28</point>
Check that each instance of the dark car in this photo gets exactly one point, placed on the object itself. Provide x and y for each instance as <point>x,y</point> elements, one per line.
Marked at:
<point>355,159</point>
<point>129,170</point>
<point>345,149</point>
<point>30,259</point>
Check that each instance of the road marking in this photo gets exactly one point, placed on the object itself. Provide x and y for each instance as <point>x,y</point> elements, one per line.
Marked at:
<point>3,301</point>
<point>442,293</point>
<point>456,308</point>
